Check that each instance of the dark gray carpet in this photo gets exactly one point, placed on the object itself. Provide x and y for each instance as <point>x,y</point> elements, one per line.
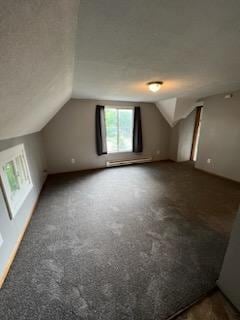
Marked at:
<point>111,245</point>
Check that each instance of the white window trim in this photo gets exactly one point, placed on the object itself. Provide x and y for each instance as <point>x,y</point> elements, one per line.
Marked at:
<point>10,155</point>
<point>121,107</point>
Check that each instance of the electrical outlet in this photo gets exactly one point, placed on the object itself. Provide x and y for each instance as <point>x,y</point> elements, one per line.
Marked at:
<point>73,160</point>
<point>209,160</point>
<point>158,152</point>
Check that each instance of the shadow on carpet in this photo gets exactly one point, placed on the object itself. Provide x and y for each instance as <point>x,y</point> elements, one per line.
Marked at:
<point>105,246</point>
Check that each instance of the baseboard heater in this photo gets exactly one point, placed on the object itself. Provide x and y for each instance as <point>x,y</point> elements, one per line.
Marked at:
<point>116,163</point>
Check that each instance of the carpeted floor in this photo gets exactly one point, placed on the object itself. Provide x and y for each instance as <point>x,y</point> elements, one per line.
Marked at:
<point>115,244</point>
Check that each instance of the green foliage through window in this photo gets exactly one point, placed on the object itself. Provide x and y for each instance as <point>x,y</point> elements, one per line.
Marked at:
<point>11,176</point>
<point>119,129</point>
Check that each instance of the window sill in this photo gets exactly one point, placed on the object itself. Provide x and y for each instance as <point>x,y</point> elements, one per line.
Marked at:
<point>120,152</point>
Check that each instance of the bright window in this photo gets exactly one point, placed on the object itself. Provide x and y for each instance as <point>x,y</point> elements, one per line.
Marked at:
<point>15,177</point>
<point>119,129</point>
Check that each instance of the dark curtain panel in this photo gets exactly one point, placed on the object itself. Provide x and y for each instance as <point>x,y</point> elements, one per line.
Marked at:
<point>101,144</point>
<point>137,131</point>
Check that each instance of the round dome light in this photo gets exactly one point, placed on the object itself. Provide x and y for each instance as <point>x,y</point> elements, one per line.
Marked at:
<point>154,86</point>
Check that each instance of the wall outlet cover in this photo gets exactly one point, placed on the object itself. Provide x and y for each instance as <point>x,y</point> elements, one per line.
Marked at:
<point>73,160</point>
<point>209,160</point>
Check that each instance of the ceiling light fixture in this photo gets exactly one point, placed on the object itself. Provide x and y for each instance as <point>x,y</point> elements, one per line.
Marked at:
<point>228,96</point>
<point>154,86</point>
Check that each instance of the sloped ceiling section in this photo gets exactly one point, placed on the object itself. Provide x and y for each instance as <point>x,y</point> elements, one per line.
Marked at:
<point>37,42</point>
<point>167,108</point>
<point>175,109</point>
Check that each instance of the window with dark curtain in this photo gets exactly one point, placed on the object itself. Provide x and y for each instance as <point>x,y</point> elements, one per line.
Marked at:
<point>137,131</point>
<point>101,146</point>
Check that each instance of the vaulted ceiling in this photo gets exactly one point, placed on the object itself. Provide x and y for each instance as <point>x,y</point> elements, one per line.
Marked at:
<point>37,42</point>
<point>46,57</point>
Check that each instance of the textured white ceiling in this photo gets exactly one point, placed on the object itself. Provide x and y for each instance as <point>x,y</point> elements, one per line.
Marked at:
<point>192,45</point>
<point>118,46</point>
<point>37,42</point>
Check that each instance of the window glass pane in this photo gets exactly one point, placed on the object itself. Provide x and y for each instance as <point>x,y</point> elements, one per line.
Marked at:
<point>111,130</point>
<point>112,139</point>
<point>119,129</point>
<point>21,169</point>
<point>125,129</point>
<point>111,117</point>
<point>11,175</point>
<point>15,177</point>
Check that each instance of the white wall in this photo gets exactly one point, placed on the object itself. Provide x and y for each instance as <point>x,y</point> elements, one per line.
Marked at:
<point>181,139</point>
<point>175,109</point>
<point>186,137</point>
<point>12,229</point>
<point>220,136</point>
<point>174,141</point>
<point>229,280</point>
<point>184,107</point>
<point>71,134</point>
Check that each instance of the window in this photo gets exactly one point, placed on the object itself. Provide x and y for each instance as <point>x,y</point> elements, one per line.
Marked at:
<point>119,129</point>
<point>15,177</point>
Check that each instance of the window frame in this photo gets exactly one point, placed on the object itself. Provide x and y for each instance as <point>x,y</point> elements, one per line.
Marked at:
<point>15,202</point>
<point>120,108</point>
